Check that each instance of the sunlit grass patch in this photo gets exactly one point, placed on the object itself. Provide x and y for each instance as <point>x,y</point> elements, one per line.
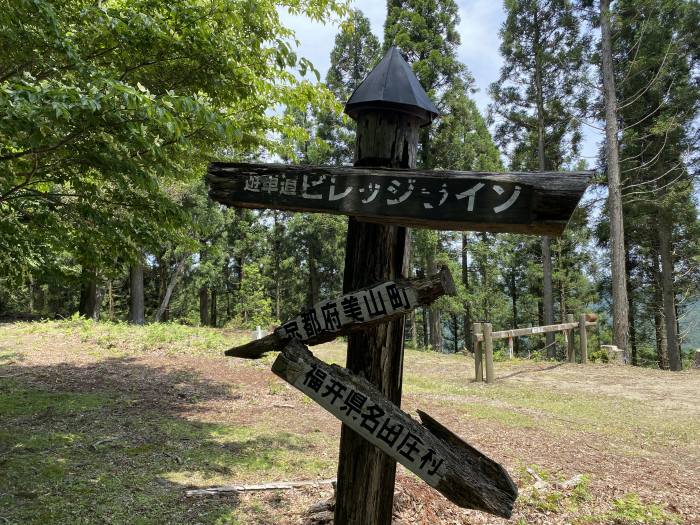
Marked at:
<point>631,510</point>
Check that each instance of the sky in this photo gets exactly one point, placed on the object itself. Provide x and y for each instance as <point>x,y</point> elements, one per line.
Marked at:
<point>480,22</point>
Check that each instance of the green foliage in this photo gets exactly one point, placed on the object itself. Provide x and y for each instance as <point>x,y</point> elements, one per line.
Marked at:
<point>631,510</point>
<point>254,307</point>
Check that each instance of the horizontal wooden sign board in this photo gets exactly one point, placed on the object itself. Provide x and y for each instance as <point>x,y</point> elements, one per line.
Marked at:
<point>356,310</point>
<point>461,473</point>
<point>536,203</point>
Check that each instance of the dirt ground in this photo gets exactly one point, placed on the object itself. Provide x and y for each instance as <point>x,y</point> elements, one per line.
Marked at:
<point>633,434</point>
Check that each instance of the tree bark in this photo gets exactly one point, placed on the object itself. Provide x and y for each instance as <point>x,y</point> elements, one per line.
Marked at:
<point>136,295</point>
<point>88,293</point>
<point>467,318</point>
<point>314,290</point>
<point>659,322</point>
<point>374,252</point>
<point>668,296</point>
<point>169,290</point>
<point>617,231</point>
<point>435,316</point>
<point>547,295</point>
<point>631,307</point>
<point>204,306</point>
<point>213,319</point>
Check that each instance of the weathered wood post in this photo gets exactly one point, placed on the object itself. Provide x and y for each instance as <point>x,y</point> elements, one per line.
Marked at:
<point>570,349</point>
<point>389,107</point>
<point>476,345</point>
<point>583,338</point>
<point>488,353</point>
<point>510,347</point>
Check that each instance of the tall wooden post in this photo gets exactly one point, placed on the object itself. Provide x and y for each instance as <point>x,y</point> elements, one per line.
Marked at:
<point>488,353</point>
<point>583,338</point>
<point>387,136</point>
<point>570,351</point>
<point>476,345</point>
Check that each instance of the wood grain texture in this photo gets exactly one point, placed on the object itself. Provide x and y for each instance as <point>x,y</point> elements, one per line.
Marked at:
<point>533,330</point>
<point>419,291</point>
<point>460,472</point>
<point>374,252</point>
<point>438,199</point>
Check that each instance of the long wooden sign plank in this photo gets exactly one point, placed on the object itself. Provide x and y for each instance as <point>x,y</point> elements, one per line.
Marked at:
<point>357,310</point>
<point>461,473</point>
<point>536,203</point>
<point>517,332</point>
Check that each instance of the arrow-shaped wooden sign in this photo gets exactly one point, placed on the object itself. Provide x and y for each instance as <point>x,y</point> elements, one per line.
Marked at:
<point>356,310</point>
<point>536,203</point>
<point>461,473</point>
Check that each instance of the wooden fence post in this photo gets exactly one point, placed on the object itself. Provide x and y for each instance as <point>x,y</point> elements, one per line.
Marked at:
<point>488,353</point>
<point>570,349</point>
<point>476,345</point>
<point>583,338</point>
<point>510,348</point>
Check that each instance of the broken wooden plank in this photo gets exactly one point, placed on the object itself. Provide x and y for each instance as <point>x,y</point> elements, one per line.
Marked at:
<point>357,310</point>
<point>456,469</point>
<point>282,485</point>
<point>535,203</point>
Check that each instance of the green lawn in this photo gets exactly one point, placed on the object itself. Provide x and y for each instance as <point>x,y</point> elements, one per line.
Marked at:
<point>107,423</point>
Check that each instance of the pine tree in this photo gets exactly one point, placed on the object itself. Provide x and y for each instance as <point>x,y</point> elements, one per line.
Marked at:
<point>355,52</point>
<point>426,33</point>
<point>656,53</point>
<point>536,94</point>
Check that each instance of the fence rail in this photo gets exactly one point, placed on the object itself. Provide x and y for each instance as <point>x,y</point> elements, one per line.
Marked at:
<point>483,338</point>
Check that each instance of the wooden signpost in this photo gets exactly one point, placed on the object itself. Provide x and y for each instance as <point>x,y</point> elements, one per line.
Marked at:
<point>460,472</point>
<point>536,203</point>
<point>357,310</point>
<point>383,194</point>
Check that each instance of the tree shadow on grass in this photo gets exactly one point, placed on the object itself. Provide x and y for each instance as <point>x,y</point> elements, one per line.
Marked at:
<point>110,442</point>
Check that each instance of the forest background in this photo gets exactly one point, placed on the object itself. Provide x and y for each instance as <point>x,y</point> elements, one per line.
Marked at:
<point>111,112</point>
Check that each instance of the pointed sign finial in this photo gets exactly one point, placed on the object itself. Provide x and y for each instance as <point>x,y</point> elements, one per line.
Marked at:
<point>392,85</point>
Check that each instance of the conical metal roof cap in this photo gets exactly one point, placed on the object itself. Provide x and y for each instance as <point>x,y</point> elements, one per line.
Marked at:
<point>392,85</point>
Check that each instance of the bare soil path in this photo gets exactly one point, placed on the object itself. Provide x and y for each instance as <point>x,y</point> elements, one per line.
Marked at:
<point>110,424</point>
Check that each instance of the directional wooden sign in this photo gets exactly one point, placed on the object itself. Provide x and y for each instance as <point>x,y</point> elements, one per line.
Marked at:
<point>536,203</point>
<point>356,310</point>
<point>461,473</point>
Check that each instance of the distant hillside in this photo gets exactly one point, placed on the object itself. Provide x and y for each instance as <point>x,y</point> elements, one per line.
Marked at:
<point>692,320</point>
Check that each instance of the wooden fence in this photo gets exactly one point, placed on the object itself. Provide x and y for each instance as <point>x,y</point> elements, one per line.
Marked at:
<point>484,336</point>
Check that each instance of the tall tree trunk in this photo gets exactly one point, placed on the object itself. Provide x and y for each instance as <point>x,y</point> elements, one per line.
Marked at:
<point>169,290</point>
<point>110,300</point>
<point>455,331</point>
<point>617,231</point>
<point>467,318</point>
<point>659,322</point>
<point>277,250</point>
<point>435,316</point>
<point>88,293</point>
<point>631,307</point>
<point>669,297</point>
<point>514,309</point>
<point>424,322</point>
<point>136,295</point>
<point>547,294</point>
<point>314,278</point>
<point>30,291</point>
<point>204,306</point>
<point>213,308</point>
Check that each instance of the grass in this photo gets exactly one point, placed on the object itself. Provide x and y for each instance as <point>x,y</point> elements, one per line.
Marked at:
<point>93,434</point>
<point>82,458</point>
<point>631,510</point>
